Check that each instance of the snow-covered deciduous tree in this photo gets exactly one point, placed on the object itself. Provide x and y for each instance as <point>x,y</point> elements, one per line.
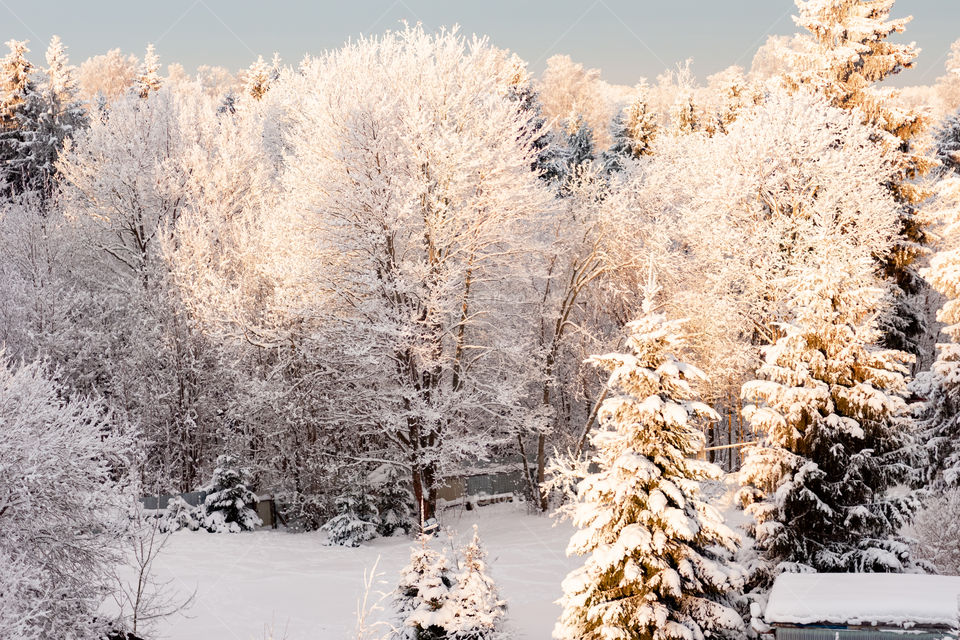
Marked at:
<point>62,505</point>
<point>479,609</point>
<point>936,529</point>
<point>834,429</point>
<point>657,563</point>
<point>230,505</point>
<point>423,598</point>
<point>404,218</point>
<point>109,75</point>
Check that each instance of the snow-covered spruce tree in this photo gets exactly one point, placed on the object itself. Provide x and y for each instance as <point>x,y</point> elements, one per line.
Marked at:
<point>49,116</point>
<point>657,566</point>
<point>479,609</point>
<point>947,143</point>
<point>260,75</point>
<point>833,430</point>
<point>633,131</point>
<point>395,502</point>
<point>572,147</point>
<point>423,596</point>
<point>17,87</point>
<point>227,505</point>
<point>845,53</point>
<point>148,75</point>
<point>940,426</point>
<point>63,506</point>
<point>356,520</point>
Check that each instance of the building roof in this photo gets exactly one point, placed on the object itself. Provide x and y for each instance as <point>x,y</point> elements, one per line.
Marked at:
<point>880,599</point>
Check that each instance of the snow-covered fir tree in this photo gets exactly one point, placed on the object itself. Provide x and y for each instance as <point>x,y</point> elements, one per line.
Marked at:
<point>356,520</point>
<point>940,426</point>
<point>396,505</point>
<point>847,50</point>
<point>50,115</point>
<point>148,75</point>
<point>572,147</point>
<point>259,77</point>
<point>658,564</point>
<point>633,130</point>
<point>227,507</point>
<point>423,597</point>
<point>479,609</point>
<point>947,142</point>
<point>833,430</point>
<point>17,89</point>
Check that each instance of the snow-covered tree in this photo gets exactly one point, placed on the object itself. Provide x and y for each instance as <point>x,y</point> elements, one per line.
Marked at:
<point>110,75</point>
<point>947,144</point>
<point>936,530</point>
<point>843,56</point>
<point>833,431</point>
<point>229,505</point>
<point>633,130</point>
<point>409,210</point>
<point>423,598</point>
<point>940,424</point>
<point>479,609</point>
<point>395,502</point>
<point>260,75</point>
<point>658,562</point>
<point>62,505</point>
<point>50,115</point>
<point>356,520</point>
<point>148,74</point>
<point>17,92</point>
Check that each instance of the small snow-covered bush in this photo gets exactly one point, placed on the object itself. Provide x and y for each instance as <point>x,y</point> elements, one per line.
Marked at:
<point>227,505</point>
<point>479,609</point>
<point>423,597</point>
<point>436,602</point>
<point>181,515</point>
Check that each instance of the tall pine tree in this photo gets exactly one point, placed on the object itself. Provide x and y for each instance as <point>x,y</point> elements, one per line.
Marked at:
<point>845,53</point>
<point>656,568</point>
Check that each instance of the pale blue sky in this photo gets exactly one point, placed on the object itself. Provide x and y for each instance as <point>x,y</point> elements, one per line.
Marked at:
<point>627,39</point>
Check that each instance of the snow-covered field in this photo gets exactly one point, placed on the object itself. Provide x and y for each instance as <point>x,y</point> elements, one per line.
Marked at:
<point>274,584</point>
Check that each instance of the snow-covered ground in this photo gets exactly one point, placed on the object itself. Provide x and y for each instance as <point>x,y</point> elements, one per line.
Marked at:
<point>274,584</point>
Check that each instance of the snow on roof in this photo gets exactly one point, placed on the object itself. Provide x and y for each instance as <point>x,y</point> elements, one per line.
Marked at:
<point>902,600</point>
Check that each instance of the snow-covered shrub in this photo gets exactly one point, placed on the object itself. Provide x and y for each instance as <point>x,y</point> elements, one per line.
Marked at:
<point>62,506</point>
<point>227,505</point>
<point>423,597</point>
<point>356,520</point>
<point>479,609</point>
<point>395,502</point>
<point>181,515</point>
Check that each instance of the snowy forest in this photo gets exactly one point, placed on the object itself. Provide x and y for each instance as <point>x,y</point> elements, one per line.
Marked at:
<point>713,327</point>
